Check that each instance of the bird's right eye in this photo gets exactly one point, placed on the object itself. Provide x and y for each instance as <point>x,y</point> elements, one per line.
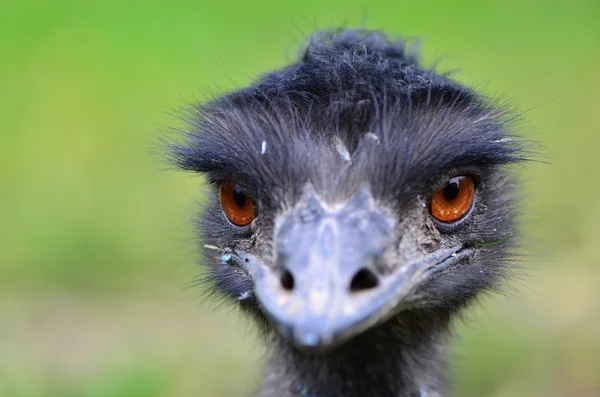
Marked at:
<point>237,206</point>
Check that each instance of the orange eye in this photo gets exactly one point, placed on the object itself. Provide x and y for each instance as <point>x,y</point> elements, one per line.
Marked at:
<point>238,207</point>
<point>453,201</point>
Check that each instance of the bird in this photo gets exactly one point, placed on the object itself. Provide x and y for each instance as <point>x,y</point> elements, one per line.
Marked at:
<point>358,203</point>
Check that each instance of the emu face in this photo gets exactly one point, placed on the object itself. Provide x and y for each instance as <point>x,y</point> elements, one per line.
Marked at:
<point>351,187</point>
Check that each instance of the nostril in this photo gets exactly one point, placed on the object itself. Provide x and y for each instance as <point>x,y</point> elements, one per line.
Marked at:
<point>287,280</point>
<point>363,280</point>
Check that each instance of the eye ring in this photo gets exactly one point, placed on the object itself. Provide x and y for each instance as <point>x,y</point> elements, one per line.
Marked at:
<point>237,206</point>
<point>453,201</point>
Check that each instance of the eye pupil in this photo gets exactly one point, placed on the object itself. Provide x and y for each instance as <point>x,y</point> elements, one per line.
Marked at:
<point>451,189</point>
<point>239,197</point>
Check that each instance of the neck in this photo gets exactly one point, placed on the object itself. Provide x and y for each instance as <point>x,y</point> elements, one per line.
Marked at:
<point>403,357</point>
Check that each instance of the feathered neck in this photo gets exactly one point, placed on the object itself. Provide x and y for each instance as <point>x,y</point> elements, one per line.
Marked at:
<point>405,357</point>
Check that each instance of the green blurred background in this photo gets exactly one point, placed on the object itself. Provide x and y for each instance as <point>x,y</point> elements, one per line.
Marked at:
<point>96,248</point>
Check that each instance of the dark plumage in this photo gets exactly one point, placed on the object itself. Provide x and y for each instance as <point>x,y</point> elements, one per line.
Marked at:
<point>344,267</point>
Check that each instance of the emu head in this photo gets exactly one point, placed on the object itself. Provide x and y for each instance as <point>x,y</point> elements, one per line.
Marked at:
<point>350,188</point>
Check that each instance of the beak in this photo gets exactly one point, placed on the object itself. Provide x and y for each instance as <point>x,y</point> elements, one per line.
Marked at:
<point>328,283</point>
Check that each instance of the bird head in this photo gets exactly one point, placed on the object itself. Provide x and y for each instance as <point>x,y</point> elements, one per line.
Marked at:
<point>352,187</point>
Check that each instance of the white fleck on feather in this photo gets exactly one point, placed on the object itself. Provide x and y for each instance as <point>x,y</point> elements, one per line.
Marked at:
<point>372,136</point>
<point>342,150</point>
<point>263,147</point>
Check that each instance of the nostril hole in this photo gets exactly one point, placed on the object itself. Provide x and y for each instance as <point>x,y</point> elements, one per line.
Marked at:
<point>363,280</point>
<point>287,280</point>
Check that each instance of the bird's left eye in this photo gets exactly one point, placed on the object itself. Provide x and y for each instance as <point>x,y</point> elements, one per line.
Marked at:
<point>454,200</point>
<point>237,206</point>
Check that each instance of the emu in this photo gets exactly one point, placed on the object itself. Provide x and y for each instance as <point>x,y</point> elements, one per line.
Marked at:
<point>358,203</point>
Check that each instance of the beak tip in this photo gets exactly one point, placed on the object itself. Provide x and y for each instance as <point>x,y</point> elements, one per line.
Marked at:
<point>307,339</point>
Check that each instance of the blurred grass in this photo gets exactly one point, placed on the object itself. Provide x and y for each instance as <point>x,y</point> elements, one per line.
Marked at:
<point>96,246</point>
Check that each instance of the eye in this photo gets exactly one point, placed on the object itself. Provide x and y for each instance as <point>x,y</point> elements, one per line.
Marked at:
<point>454,200</point>
<point>237,206</point>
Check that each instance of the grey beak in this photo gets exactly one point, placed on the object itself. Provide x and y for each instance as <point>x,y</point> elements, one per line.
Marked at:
<point>328,285</point>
